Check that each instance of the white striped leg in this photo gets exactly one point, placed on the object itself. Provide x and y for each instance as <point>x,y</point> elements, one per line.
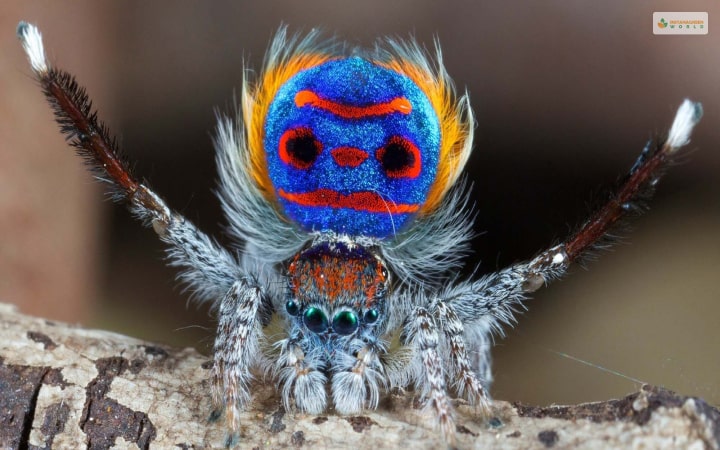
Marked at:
<point>422,334</point>
<point>478,344</point>
<point>467,382</point>
<point>493,300</point>
<point>236,348</point>
<point>207,269</point>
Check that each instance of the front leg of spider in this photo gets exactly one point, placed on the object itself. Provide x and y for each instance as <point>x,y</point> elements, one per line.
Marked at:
<point>359,376</point>
<point>340,187</point>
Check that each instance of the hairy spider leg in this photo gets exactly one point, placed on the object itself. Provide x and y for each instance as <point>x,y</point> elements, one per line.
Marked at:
<point>208,269</point>
<point>638,185</point>
<point>422,332</point>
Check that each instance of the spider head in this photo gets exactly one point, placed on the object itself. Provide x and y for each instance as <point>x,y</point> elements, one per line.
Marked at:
<point>337,288</point>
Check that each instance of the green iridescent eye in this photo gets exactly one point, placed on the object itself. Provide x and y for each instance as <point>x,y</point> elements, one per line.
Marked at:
<point>345,322</point>
<point>371,316</point>
<point>315,320</point>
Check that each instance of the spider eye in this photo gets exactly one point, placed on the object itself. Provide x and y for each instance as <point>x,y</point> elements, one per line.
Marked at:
<point>345,322</point>
<point>315,320</point>
<point>299,147</point>
<point>400,158</point>
<point>292,307</point>
<point>371,316</point>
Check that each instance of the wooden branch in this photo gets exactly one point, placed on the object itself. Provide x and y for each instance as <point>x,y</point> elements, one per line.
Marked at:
<point>68,387</point>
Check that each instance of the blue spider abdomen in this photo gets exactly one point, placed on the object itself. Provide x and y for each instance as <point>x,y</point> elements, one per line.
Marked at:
<point>351,147</point>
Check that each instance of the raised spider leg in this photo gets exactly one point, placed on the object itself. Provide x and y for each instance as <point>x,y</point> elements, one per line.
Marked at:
<point>421,333</point>
<point>301,374</point>
<point>236,348</point>
<point>638,185</point>
<point>208,269</point>
<point>492,300</point>
<point>356,379</point>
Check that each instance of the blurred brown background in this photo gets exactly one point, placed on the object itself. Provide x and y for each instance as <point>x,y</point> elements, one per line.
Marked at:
<point>566,94</point>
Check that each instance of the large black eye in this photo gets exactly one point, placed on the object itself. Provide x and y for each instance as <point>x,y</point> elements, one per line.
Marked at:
<point>292,307</point>
<point>400,158</point>
<point>315,320</point>
<point>299,147</point>
<point>345,322</point>
<point>371,316</point>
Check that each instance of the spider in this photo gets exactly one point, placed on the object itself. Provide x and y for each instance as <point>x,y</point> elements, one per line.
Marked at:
<point>342,182</point>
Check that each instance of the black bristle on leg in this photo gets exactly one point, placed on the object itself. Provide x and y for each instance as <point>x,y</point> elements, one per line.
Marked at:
<point>628,200</point>
<point>86,133</point>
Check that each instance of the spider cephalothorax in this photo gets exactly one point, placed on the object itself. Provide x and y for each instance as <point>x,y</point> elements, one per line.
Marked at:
<point>335,286</point>
<point>342,175</point>
<point>336,304</point>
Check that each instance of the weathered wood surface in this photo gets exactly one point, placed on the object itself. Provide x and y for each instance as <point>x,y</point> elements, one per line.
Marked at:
<point>68,387</point>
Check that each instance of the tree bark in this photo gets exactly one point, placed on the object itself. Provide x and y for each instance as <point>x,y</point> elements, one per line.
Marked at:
<point>68,387</point>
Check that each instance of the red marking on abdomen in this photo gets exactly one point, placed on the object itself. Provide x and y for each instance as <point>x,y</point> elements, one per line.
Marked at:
<point>398,104</point>
<point>349,156</point>
<point>360,201</point>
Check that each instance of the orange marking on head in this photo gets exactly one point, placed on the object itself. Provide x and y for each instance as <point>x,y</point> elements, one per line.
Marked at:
<point>309,98</point>
<point>380,280</point>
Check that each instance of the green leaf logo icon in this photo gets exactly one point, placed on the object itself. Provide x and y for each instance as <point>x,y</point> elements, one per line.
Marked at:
<point>662,23</point>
